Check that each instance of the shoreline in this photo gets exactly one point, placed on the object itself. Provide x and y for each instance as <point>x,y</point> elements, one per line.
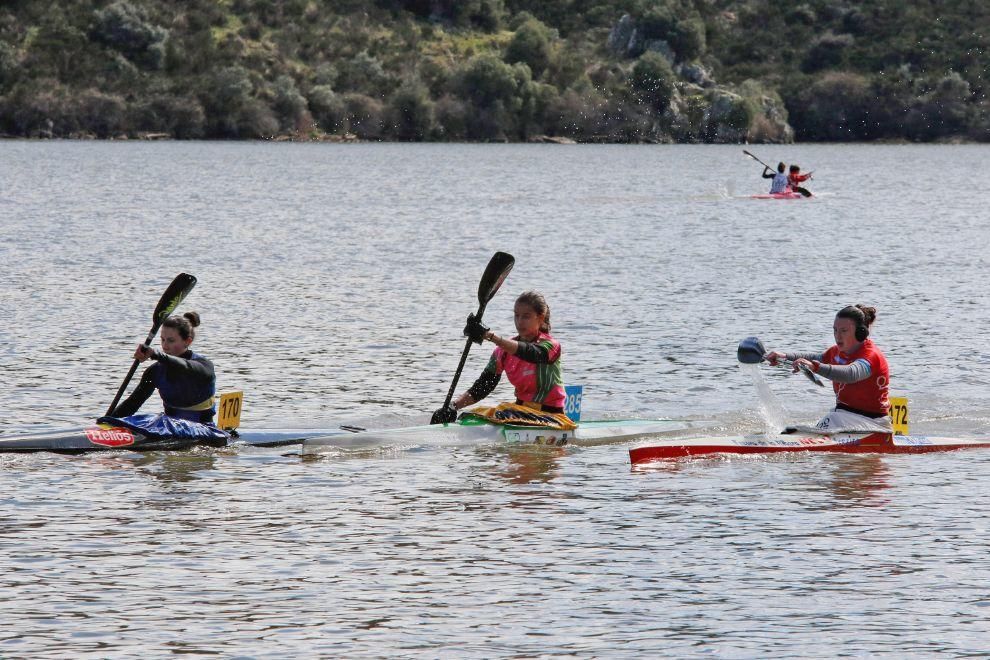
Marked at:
<point>350,138</point>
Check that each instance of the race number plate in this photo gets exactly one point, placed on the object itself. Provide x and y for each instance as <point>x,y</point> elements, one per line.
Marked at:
<point>572,404</point>
<point>899,414</point>
<point>229,410</point>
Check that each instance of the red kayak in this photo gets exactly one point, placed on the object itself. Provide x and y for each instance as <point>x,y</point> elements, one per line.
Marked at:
<point>860,443</point>
<point>783,195</point>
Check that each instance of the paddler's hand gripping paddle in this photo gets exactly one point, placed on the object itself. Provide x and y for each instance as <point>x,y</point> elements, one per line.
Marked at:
<point>752,351</point>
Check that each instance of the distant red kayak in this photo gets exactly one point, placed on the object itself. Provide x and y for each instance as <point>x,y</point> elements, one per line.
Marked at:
<point>875,443</point>
<point>785,195</point>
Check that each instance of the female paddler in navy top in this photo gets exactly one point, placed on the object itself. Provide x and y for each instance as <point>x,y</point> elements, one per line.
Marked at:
<point>855,365</point>
<point>531,359</point>
<point>185,380</point>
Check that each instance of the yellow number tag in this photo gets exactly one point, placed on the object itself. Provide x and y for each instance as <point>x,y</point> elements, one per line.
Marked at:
<point>899,414</point>
<point>229,411</point>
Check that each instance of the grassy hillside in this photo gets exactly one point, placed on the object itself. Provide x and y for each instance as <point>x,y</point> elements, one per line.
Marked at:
<point>590,70</point>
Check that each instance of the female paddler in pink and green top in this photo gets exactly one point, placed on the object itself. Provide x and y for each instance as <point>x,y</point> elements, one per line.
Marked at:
<point>531,359</point>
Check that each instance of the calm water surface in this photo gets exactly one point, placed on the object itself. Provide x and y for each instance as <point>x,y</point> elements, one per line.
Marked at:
<point>333,284</point>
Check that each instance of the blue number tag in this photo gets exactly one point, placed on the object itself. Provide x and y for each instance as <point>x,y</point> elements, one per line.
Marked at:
<point>572,404</point>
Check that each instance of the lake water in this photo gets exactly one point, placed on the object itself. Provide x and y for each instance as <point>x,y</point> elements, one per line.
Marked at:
<point>333,285</point>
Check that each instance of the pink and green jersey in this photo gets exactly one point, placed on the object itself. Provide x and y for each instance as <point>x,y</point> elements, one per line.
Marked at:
<point>534,371</point>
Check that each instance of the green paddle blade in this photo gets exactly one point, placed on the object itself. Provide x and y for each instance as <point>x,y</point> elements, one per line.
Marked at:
<point>174,294</point>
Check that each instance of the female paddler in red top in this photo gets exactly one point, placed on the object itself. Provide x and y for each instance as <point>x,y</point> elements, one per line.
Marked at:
<point>795,178</point>
<point>531,359</point>
<point>855,365</point>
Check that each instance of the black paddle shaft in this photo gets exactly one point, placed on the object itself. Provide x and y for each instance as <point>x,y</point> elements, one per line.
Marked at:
<point>174,294</point>
<point>757,160</point>
<point>495,273</point>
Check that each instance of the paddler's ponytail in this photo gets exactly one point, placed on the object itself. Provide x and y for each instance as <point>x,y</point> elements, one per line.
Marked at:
<point>539,305</point>
<point>184,325</point>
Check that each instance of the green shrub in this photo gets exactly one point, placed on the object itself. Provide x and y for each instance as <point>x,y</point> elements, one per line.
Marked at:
<point>289,105</point>
<point>363,74</point>
<point>451,114</point>
<point>124,27</point>
<point>328,109</point>
<point>835,107</point>
<point>652,79</point>
<point>410,112</point>
<point>531,45</point>
<point>41,108</point>
<point>365,116</point>
<point>485,14</point>
<point>941,111</point>
<point>8,65</point>
<point>486,80</point>
<point>688,39</point>
<point>182,117</point>
<point>255,120</point>
<point>826,52</point>
<point>574,114</point>
<point>104,115</point>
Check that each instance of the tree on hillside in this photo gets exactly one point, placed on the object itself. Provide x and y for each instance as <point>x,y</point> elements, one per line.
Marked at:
<point>125,28</point>
<point>531,45</point>
<point>652,79</point>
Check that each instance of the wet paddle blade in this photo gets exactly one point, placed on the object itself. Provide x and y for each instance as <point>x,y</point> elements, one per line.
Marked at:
<point>751,351</point>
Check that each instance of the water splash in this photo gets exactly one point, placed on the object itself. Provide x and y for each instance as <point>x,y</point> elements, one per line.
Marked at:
<point>771,411</point>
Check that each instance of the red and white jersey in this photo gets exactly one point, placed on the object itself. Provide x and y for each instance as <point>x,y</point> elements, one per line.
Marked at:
<point>870,394</point>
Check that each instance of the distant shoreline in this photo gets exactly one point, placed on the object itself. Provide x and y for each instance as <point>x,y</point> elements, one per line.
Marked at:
<point>541,139</point>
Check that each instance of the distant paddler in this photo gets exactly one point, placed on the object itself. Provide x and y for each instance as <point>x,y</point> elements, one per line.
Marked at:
<point>531,359</point>
<point>185,380</point>
<point>783,183</point>
<point>779,184</point>
<point>795,179</point>
<point>857,368</point>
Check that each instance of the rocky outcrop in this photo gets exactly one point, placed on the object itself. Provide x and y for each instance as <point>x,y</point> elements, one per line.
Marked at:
<point>700,109</point>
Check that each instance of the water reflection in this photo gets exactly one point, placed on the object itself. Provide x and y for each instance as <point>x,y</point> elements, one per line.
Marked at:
<point>532,464</point>
<point>859,480</point>
<point>164,466</point>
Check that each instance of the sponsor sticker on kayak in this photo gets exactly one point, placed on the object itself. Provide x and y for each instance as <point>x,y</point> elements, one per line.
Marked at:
<point>791,441</point>
<point>114,436</point>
